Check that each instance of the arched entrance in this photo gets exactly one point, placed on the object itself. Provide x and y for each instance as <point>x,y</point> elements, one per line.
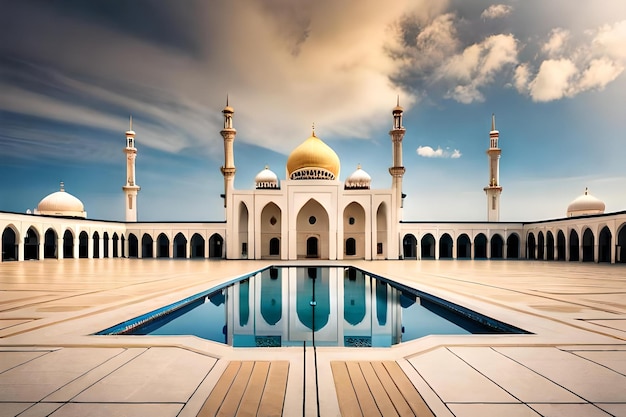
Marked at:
<point>68,244</point>
<point>216,243</point>
<point>50,244</point>
<point>146,246</point>
<point>96,245</point>
<point>83,245</point>
<point>480,246</point>
<point>180,246</point>
<point>116,241</point>
<point>574,252</point>
<point>243,231</point>
<point>197,246</point>
<point>133,246</point>
<point>620,250</point>
<point>9,245</point>
<point>354,230</point>
<point>409,247</point>
<point>31,244</point>
<point>512,246</point>
<point>163,246</point>
<point>604,245</point>
<point>312,222</point>
<point>497,247</point>
<point>271,223</point>
<point>531,247</point>
<point>560,245</point>
<point>540,246</point>
<point>463,247</point>
<point>105,244</point>
<point>549,246</point>
<point>588,242</point>
<point>381,231</point>
<point>428,246</point>
<point>445,246</point>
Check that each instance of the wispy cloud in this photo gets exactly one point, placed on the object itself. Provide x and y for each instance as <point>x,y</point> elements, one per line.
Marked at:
<point>429,152</point>
<point>496,11</point>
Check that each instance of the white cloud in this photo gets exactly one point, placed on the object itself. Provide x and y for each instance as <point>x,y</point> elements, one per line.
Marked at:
<point>553,80</point>
<point>496,11</point>
<point>598,74</point>
<point>611,40</point>
<point>429,152</point>
<point>555,45</point>
<point>521,78</point>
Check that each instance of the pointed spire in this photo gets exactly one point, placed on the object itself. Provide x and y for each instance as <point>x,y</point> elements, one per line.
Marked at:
<point>131,122</point>
<point>226,99</point>
<point>493,121</point>
<point>398,100</point>
<point>313,130</point>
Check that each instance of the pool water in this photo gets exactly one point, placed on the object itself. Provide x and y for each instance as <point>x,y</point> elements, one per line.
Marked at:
<point>328,306</point>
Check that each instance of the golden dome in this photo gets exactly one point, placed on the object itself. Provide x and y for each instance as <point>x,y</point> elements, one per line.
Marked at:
<point>313,159</point>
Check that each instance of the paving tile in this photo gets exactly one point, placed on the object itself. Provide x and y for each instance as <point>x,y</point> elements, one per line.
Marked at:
<point>41,410</point>
<point>482,410</point>
<point>591,381</point>
<point>568,410</point>
<point>6,323</point>
<point>158,375</point>
<point>11,359</point>
<point>35,379</point>
<point>613,324</point>
<point>516,379</point>
<point>456,381</point>
<point>12,409</point>
<point>126,410</point>
<point>615,360</point>
<point>617,410</point>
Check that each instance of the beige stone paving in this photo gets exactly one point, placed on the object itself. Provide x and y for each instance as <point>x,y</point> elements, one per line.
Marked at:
<point>574,363</point>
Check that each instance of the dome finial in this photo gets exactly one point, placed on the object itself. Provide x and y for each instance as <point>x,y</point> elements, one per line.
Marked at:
<point>313,129</point>
<point>586,190</point>
<point>62,187</point>
<point>226,99</point>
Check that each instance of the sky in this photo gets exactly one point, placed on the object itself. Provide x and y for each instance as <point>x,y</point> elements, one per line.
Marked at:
<point>72,72</point>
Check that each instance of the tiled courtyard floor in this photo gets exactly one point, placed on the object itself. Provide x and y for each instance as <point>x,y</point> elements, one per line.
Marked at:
<point>573,363</point>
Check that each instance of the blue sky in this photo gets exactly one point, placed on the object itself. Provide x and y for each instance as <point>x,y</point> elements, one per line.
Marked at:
<point>71,73</point>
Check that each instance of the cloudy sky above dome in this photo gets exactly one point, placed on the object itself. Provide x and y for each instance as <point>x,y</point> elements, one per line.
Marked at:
<point>71,73</point>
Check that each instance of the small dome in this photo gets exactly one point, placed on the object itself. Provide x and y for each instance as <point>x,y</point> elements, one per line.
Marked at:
<point>61,203</point>
<point>584,205</point>
<point>266,179</point>
<point>313,159</point>
<point>358,180</point>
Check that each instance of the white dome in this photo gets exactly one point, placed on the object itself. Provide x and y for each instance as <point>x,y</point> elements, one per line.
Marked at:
<point>359,180</point>
<point>584,205</point>
<point>266,179</point>
<point>61,203</point>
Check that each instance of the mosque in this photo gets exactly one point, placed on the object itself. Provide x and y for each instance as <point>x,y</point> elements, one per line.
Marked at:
<point>312,214</point>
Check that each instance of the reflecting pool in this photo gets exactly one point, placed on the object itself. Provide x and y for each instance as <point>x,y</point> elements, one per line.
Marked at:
<point>327,306</point>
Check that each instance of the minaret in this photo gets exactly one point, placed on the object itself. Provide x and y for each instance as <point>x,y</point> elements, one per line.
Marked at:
<point>397,170</point>
<point>494,189</point>
<point>228,133</point>
<point>131,188</point>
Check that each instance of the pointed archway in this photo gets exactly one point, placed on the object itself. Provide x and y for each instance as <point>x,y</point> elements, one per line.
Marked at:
<point>9,244</point>
<point>271,224</point>
<point>354,230</point>
<point>463,247</point>
<point>409,246</point>
<point>312,231</point>
<point>31,244</point>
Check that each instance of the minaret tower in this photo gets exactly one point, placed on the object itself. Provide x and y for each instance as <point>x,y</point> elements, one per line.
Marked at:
<point>494,189</point>
<point>228,169</point>
<point>397,170</point>
<point>131,188</point>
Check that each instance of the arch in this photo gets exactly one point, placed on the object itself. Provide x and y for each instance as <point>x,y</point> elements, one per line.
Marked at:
<point>274,246</point>
<point>133,246</point>
<point>197,246</point>
<point>381,231</point>
<point>122,246</point>
<point>312,247</point>
<point>541,246</point>
<point>480,246</point>
<point>105,244</point>
<point>549,246</point>
<point>620,249</point>
<point>146,246</point>
<point>604,245</point>
<point>560,245</point>
<point>531,246</point>
<point>271,224</point>
<point>354,230</point>
<point>574,252</point>
<point>409,246</point>
<point>243,231</point>
<point>31,244</point>
<point>163,246</point>
<point>428,246</point>
<point>83,244</point>
<point>497,247</point>
<point>50,240</point>
<point>180,245</point>
<point>463,247</point>
<point>68,244</point>
<point>312,221</point>
<point>96,245</point>
<point>588,242</point>
<point>115,245</point>
<point>445,246</point>
<point>216,244</point>
<point>9,244</point>
<point>513,246</point>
